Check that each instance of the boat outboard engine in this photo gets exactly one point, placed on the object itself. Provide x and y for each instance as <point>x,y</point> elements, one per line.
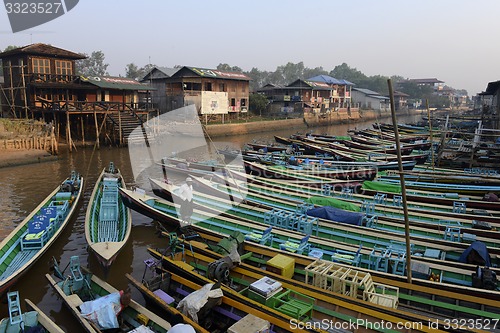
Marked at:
<point>219,269</point>
<point>67,186</point>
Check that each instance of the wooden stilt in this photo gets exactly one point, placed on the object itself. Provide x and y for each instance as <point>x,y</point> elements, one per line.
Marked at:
<point>83,130</point>
<point>12,102</point>
<point>120,128</point>
<point>68,133</point>
<point>96,130</point>
<point>24,92</point>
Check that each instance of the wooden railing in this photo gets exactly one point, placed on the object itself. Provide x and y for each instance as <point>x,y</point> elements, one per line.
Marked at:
<point>82,106</point>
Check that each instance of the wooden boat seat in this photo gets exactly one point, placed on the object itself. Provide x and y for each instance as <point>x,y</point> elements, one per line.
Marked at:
<point>347,257</point>
<point>164,296</point>
<point>74,300</point>
<point>15,314</point>
<point>381,294</point>
<point>260,237</point>
<point>293,245</point>
<point>295,305</point>
<point>108,212</point>
<point>37,227</point>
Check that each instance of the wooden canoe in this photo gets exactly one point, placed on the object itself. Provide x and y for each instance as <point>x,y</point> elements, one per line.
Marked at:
<point>108,222</point>
<point>38,231</point>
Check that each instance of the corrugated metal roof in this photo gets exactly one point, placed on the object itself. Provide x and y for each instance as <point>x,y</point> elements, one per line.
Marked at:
<point>330,80</point>
<point>167,70</point>
<point>370,93</point>
<point>309,84</point>
<point>117,83</point>
<point>43,49</point>
<point>214,73</point>
<point>431,80</point>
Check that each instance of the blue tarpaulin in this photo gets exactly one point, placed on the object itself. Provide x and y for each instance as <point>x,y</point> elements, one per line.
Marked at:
<point>337,215</point>
<point>480,249</point>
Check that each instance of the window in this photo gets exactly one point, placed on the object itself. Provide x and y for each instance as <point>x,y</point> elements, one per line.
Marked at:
<point>243,87</point>
<point>63,67</point>
<point>234,87</point>
<point>222,87</point>
<point>41,66</point>
<point>208,86</point>
<point>243,102</point>
<point>233,101</point>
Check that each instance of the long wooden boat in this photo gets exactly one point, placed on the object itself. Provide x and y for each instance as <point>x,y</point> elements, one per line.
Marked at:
<point>288,172</point>
<point>156,289</point>
<point>328,242</point>
<point>422,221</point>
<point>310,275</point>
<point>257,210</point>
<point>38,231</point>
<point>377,204</point>
<point>232,307</point>
<point>443,187</point>
<point>33,320</point>
<point>311,148</point>
<point>81,286</point>
<point>108,222</point>
<point>301,303</point>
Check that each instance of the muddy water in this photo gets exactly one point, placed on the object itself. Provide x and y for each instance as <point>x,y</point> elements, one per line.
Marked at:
<point>22,188</point>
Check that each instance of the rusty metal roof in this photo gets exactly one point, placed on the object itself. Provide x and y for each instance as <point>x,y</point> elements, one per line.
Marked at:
<point>210,73</point>
<point>117,83</point>
<point>43,49</point>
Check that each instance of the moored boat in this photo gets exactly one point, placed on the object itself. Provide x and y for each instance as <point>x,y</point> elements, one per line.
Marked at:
<point>325,238</point>
<point>108,222</point>
<point>97,305</point>
<point>38,231</point>
<point>33,320</point>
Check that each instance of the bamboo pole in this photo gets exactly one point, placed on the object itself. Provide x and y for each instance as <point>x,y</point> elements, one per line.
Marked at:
<point>402,180</point>
<point>430,132</point>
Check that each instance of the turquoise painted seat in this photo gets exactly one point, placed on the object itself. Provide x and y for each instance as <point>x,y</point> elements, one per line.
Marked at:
<point>347,257</point>
<point>294,246</point>
<point>260,237</point>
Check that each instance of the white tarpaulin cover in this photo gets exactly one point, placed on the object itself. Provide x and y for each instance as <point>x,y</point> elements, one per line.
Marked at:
<point>193,302</point>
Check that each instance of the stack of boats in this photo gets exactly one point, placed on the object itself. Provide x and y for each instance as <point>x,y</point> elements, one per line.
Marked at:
<point>300,234</point>
<point>307,234</point>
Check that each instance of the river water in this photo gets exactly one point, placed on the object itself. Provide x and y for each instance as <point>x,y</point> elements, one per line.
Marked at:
<point>22,188</point>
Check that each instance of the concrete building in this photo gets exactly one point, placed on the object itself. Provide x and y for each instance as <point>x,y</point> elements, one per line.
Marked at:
<point>369,99</point>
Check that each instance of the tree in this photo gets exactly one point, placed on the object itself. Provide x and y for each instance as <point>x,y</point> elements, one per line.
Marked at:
<point>227,68</point>
<point>258,103</point>
<point>347,73</point>
<point>93,65</point>
<point>312,72</point>
<point>132,71</point>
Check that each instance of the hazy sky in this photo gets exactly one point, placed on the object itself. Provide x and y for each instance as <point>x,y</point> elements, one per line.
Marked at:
<point>455,41</point>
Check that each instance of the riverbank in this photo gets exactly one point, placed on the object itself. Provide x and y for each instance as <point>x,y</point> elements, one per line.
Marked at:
<point>10,158</point>
<point>313,121</point>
